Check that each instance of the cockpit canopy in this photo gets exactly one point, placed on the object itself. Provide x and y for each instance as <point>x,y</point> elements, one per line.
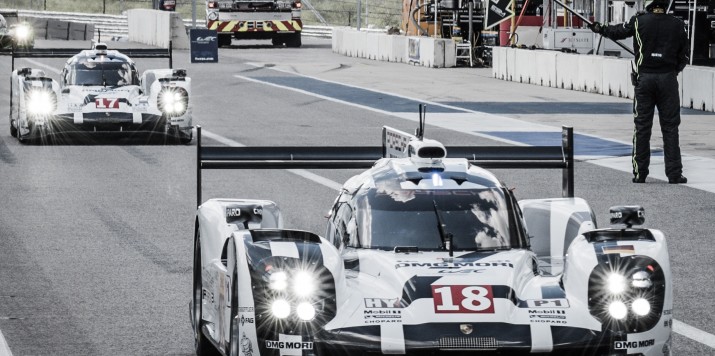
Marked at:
<point>101,70</point>
<point>406,210</point>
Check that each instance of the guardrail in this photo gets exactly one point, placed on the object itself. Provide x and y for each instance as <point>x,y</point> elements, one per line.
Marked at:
<point>117,25</point>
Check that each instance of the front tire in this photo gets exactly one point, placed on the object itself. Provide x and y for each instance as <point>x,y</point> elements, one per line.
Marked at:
<point>13,129</point>
<point>202,345</point>
<point>234,340</point>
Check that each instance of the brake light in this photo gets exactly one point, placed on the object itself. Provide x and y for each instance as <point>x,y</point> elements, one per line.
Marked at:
<point>213,4</point>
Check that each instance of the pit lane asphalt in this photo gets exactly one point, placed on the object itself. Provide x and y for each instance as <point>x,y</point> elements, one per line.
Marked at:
<point>95,235</point>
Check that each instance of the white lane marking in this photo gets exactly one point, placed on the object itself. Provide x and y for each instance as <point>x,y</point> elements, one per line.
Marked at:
<point>4,348</point>
<point>299,172</point>
<point>316,178</point>
<point>221,139</point>
<point>693,333</point>
<point>697,335</point>
<point>50,68</point>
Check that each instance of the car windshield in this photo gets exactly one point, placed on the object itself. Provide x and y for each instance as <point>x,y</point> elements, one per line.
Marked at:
<point>477,219</point>
<point>97,73</point>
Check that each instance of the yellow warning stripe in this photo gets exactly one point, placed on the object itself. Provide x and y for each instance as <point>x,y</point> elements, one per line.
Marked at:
<point>242,26</point>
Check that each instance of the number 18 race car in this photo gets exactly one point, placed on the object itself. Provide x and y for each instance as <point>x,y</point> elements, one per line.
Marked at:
<point>100,90</point>
<point>425,254</point>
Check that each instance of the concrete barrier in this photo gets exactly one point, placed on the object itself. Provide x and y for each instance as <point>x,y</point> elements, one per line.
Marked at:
<point>432,52</point>
<point>51,29</point>
<point>595,74</point>
<point>524,67</point>
<point>157,28</point>
<point>499,63</point>
<point>545,67</point>
<point>698,85</point>
<point>567,75</point>
<point>616,77</point>
<point>590,74</point>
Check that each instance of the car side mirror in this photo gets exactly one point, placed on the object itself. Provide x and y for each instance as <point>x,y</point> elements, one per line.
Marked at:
<point>628,215</point>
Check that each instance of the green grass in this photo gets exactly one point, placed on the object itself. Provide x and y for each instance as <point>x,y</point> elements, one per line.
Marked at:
<point>381,13</point>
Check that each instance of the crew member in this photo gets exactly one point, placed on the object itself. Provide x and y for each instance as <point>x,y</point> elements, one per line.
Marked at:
<point>661,52</point>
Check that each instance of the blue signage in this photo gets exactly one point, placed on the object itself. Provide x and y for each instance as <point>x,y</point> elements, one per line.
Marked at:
<point>204,46</point>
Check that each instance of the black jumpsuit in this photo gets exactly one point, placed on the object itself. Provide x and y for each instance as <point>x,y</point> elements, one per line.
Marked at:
<point>661,49</point>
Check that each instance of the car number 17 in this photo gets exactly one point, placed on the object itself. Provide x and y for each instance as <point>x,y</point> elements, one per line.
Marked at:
<point>463,299</point>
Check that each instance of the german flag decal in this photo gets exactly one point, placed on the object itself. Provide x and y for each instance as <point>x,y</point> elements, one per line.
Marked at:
<point>256,26</point>
<point>624,250</point>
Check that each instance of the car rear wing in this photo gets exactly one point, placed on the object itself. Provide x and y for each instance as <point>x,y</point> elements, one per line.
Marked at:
<point>357,157</point>
<point>69,52</point>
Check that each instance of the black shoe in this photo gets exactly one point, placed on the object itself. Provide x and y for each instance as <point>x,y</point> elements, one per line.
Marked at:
<point>640,179</point>
<point>678,180</point>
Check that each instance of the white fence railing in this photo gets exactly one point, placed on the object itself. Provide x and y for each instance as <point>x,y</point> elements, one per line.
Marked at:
<point>117,25</point>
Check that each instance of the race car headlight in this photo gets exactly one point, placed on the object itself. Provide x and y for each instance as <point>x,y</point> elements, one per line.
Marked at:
<point>40,102</point>
<point>280,308</point>
<point>278,281</point>
<point>627,293</point>
<point>303,284</point>
<point>616,283</point>
<point>305,311</point>
<point>640,307</point>
<point>173,101</point>
<point>22,33</point>
<point>618,310</point>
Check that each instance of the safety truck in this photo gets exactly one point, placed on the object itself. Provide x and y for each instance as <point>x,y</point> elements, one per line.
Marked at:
<point>277,20</point>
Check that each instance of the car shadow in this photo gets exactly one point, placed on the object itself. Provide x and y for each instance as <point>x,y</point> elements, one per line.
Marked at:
<point>105,139</point>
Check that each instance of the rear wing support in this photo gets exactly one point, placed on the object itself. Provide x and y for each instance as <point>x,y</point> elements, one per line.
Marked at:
<point>363,157</point>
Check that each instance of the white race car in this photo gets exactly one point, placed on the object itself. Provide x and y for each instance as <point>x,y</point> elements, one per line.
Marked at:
<point>100,90</point>
<point>425,254</point>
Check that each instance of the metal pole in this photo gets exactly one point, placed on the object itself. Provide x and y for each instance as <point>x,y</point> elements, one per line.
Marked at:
<point>435,18</point>
<point>359,10</point>
<point>367,13</point>
<point>193,14</point>
<point>692,28</point>
<point>471,29</point>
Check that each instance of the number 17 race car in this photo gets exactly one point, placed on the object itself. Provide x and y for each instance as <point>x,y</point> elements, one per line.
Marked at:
<point>428,253</point>
<point>100,90</point>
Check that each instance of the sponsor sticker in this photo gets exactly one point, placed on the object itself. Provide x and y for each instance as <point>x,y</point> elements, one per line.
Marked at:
<point>382,316</point>
<point>624,345</point>
<point>382,302</point>
<point>548,316</point>
<point>452,265</point>
<point>548,303</point>
<point>289,344</point>
<point>233,212</point>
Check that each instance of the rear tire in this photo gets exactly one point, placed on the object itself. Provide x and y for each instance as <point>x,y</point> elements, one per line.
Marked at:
<point>293,41</point>
<point>224,40</point>
<point>13,129</point>
<point>202,345</point>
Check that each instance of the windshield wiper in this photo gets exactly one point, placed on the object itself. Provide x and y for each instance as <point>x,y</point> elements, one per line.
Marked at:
<point>445,236</point>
